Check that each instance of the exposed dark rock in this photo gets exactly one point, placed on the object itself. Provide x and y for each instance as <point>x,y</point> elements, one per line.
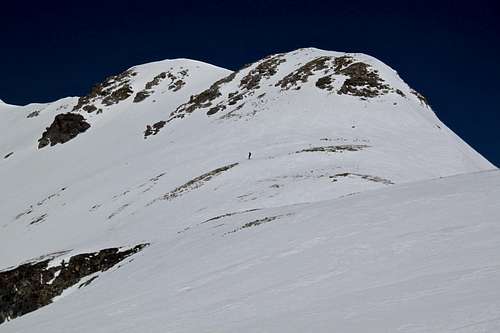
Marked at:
<point>197,182</point>
<point>38,219</point>
<point>141,95</point>
<point>176,85</point>
<point>325,82</point>
<point>118,95</point>
<point>400,93</point>
<point>265,69</point>
<point>342,62</point>
<point>302,74</point>
<point>256,223</point>
<point>420,97</point>
<point>27,211</point>
<point>146,92</point>
<point>193,184</point>
<point>203,99</point>
<point>215,109</point>
<point>229,214</point>
<point>50,197</point>
<point>362,81</point>
<point>375,179</point>
<point>33,285</point>
<point>113,90</point>
<point>89,108</point>
<point>149,131</point>
<point>156,80</point>
<point>218,217</point>
<point>33,114</point>
<point>65,127</point>
<point>333,149</point>
<point>234,97</point>
<point>176,81</point>
<point>155,129</point>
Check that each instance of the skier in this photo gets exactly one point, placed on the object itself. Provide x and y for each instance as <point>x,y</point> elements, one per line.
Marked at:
<point>249,154</point>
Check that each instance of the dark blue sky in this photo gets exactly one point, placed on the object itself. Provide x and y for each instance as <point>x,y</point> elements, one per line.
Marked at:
<point>447,50</point>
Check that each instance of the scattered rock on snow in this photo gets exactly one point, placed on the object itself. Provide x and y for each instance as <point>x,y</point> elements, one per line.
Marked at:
<point>193,183</point>
<point>362,81</point>
<point>33,114</point>
<point>420,97</point>
<point>113,90</point>
<point>154,129</point>
<point>303,73</point>
<point>375,179</point>
<point>38,219</point>
<point>264,69</point>
<point>176,83</point>
<point>333,149</point>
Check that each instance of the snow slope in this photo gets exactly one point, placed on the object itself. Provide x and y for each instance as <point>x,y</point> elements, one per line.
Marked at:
<point>311,234</point>
<point>421,257</point>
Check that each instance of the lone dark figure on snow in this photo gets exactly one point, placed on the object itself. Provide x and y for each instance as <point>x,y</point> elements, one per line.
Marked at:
<point>249,155</point>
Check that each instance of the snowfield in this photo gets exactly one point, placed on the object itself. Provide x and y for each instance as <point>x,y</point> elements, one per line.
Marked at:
<point>358,211</point>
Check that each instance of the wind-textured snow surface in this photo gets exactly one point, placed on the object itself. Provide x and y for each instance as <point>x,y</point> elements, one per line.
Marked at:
<point>358,211</point>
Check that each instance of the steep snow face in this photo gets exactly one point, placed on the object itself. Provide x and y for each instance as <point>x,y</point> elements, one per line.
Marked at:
<point>164,161</point>
<point>329,98</point>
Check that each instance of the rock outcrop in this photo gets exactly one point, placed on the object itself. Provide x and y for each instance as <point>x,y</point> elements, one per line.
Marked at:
<point>30,286</point>
<point>65,127</point>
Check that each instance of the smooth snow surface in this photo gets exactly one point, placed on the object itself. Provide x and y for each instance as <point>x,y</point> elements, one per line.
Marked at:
<point>399,233</point>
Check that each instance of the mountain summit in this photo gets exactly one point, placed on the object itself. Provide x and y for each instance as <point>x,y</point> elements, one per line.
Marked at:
<point>308,191</point>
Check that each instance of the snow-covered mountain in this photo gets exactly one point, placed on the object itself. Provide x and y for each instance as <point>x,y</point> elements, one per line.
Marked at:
<point>136,208</point>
